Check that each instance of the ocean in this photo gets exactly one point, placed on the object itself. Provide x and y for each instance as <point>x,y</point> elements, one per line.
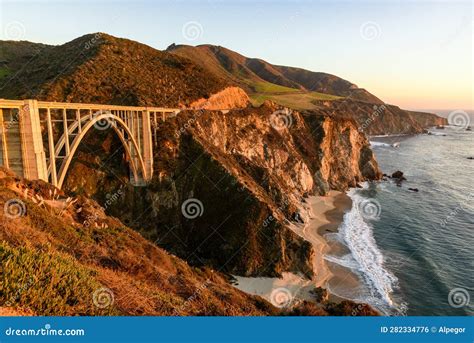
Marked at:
<point>413,251</point>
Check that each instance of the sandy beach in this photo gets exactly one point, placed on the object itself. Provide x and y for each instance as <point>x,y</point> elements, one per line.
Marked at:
<point>321,215</point>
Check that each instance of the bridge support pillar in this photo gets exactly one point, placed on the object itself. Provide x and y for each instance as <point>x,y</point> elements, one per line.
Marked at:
<point>4,143</point>
<point>32,152</point>
<point>147,145</point>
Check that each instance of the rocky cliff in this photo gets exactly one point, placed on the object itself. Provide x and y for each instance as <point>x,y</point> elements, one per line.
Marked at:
<point>380,119</point>
<point>228,98</point>
<point>248,170</point>
<point>64,256</point>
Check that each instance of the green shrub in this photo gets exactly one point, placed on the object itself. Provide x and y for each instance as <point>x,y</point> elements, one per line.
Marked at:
<point>47,283</point>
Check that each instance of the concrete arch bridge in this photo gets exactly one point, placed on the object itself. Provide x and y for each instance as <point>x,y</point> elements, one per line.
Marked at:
<point>38,139</point>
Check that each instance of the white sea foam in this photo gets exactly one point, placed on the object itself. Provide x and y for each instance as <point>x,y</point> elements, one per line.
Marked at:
<point>374,143</point>
<point>433,133</point>
<point>365,258</point>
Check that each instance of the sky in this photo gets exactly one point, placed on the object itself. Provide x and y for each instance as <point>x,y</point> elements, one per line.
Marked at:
<point>414,54</point>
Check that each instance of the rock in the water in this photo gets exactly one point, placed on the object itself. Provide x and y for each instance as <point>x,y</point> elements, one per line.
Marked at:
<point>398,175</point>
<point>413,189</point>
<point>470,158</point>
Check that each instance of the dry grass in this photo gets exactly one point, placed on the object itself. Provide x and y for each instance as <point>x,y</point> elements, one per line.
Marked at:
<point>298,100</point>
<point>56,263</point>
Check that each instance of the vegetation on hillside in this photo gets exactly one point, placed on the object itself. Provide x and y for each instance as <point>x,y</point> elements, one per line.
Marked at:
<point>259,78</point>
<point>63,256</point>
<point>66,257</point>
<point>99,68</point>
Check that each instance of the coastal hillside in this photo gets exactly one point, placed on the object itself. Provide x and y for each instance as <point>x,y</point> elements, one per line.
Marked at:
<point>262,79</point>
<point>69,258</point>
<point>247,169</point>
<point>98,68</point>
<point>381,119</point>
<point>64,256</point>
<point>250,168</point>
<point>307,90</point>
<point>228,185</point>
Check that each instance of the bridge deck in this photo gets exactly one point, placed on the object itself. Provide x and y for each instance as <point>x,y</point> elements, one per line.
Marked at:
<point>4,103</point>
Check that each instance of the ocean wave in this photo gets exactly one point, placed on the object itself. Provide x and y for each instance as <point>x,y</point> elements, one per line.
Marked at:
<point>375,143</point>
<point>365,258</point>
<point>345,261</point>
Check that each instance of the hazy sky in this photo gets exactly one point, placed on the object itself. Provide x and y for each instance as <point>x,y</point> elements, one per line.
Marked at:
<point>415,54</point>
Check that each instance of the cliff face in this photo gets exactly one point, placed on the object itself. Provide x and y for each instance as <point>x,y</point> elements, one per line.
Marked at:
<point>426,120</point>
<point>228,98</point>
<point>249,169</point>
<point>341,138</point>
<point>380,119</point>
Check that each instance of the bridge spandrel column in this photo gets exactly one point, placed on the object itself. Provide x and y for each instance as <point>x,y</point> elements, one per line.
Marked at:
<point>33,155</point>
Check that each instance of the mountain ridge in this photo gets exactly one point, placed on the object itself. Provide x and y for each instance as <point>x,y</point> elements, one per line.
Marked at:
<point>241,69</point>
<point>105,69</point>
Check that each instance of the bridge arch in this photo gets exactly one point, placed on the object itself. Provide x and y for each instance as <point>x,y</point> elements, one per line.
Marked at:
<point>136,161</point>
